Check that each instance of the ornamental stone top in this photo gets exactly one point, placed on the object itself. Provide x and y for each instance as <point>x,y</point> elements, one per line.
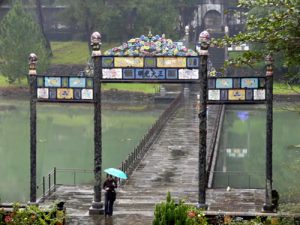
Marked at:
<point>150,46</point>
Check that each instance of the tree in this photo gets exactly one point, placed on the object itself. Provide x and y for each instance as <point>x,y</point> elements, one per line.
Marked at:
<point>85,16</point>
<point>40,18</point>
<point>119,20</point>
<point>20,35</point>
<point>273,25</point>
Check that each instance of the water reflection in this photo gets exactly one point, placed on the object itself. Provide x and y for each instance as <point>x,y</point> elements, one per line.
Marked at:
<point>241,160</point>
<point>65,140</point>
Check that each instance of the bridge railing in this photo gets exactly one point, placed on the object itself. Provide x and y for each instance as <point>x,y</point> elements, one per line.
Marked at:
<point>61,176</point>
<point>239,180</point>
<point>133,159</point>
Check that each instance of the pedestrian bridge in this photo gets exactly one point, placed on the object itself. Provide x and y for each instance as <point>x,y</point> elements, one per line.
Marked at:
<point>166,161</point>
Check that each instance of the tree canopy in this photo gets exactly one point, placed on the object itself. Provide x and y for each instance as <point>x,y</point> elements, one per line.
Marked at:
<point>273,26</point>
<point>119,20</point>
<point>20,35</point>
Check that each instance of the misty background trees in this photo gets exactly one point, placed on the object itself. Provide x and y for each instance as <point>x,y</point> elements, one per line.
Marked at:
<point>20,35</point>
<point>271,25</point>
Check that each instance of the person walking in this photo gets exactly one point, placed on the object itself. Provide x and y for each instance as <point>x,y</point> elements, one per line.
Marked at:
<point>109,186</point>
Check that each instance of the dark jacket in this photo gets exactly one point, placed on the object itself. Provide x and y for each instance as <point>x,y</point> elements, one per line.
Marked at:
<point>110,185</point>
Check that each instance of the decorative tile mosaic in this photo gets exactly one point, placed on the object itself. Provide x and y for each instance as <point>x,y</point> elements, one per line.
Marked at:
<point>77,82</point>
<point>224,83</point>
<point>129,61</point>
<point>188,74</point>
<point>112,73</point>
<point>249,83</point>
<point>52,82</point>
<point>64,93</point>
<point>171,62</point>
<point>236,94</point>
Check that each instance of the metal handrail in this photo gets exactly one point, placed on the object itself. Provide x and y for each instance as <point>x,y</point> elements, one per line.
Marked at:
<point>133,159</point>
<point>49,182</point>
<point>247,178</point>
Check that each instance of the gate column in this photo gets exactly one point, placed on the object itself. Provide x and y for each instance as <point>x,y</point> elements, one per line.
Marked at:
<point>204,39</point>
<point>32,79</point>
<point>97,205</point>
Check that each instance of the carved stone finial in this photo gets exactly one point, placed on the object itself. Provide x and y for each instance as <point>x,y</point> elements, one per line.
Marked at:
<point>32,61</point>
<point>187,30</point>
<point>204,42</point>
<point>150,34</point>
<point>269,65</point>
<point>96,43</point>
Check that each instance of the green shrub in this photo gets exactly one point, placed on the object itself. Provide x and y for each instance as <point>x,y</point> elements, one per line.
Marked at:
<point>31,215</point>
<point>169,213</point>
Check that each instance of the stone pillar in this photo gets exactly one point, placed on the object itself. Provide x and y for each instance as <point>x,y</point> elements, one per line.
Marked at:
<point>204,39</point>
<point>268,206</point>
<point>186,43</point>
<point>97,204</point>
<point>32,80</point>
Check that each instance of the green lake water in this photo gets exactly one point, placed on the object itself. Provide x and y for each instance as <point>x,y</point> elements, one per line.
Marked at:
<point>65,140</point>
<point>241,160</point>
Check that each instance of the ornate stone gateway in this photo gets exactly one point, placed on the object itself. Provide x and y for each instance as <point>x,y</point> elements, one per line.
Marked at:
<point>145,60</point>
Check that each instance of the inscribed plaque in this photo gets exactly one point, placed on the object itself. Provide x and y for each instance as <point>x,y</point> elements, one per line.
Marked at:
<point>87,94</point>
<point>150,74</point>
<point>112,73</point>
<point>77,82</point>
<point>64,93</point>
<point>187,74</point>
<point>224,83</point>
<point>213,94</point>
<point>249,83</point>
<point>237,94</point>
<point>171,62</point>
<point>43,93</point>
<point>259,94</point>
<point>129,61</point>
<point>52,81</point>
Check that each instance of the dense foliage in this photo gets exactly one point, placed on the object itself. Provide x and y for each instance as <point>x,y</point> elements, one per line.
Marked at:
<point>31,215</point>
<point>119,20</point>
<point>20,35</point>
<point>272,26</point>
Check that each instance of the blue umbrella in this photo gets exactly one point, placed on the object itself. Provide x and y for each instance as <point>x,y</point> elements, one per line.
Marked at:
<point>116,173</point>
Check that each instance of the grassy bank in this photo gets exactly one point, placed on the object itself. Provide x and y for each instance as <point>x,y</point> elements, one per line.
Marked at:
<point>73,52</point>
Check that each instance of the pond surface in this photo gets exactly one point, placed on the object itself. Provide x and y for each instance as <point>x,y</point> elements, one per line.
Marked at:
<point>241,161</point>
<point>65,140</point>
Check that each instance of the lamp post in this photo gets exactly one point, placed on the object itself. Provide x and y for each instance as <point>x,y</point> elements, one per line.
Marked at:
<point>204,41</point>
<point>268,206</point>
<point>97,205</point>
<point>32,61</point>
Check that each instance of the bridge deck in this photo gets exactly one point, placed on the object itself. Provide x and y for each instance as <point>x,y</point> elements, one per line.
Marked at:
<point>170,165</point>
